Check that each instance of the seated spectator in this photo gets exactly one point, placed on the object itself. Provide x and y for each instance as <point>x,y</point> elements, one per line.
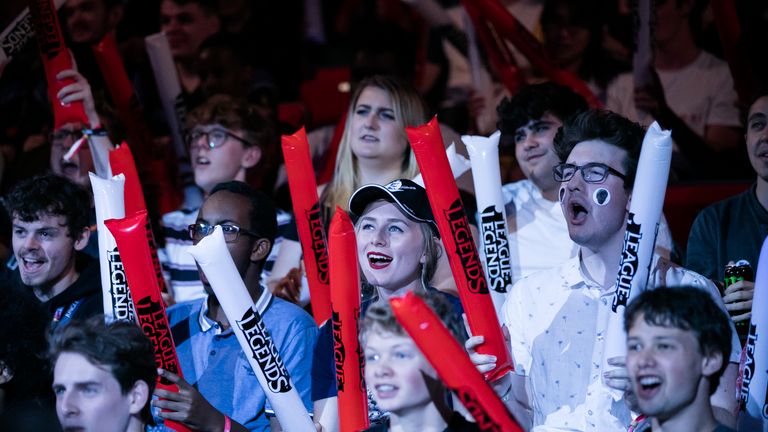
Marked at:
<point>690,92</point>
<point>103,376</point>
<point>678,345</point>
<point>218,380</point>
<point>50,229</point>
<point>734,229</point>
<point>402,381</point>
<point>227,138</point>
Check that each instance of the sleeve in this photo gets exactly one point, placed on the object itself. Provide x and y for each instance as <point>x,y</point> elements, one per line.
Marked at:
<point>702,245</point>
<point>297,358</point>
<point>512,317</point>
<point>286,226</point>
<point>323,365</point>
<point>724,110</point>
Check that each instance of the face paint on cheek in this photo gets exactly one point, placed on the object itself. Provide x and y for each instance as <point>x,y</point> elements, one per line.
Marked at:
<point>601,196</point>
<point>562,193</point>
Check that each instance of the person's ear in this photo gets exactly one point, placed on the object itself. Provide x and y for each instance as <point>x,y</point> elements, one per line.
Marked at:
<point>251,157</point>
<point>711,363</point>
<point>81,238</point>
<point>138,396</point>
<point>260,250</point>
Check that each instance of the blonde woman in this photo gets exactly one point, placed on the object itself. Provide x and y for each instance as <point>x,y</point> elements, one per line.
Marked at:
<point>374,147</point>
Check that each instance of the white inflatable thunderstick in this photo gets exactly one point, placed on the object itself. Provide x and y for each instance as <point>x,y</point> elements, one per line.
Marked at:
<point>110,204</point>
<point>494,248</point>
<point>213,257</point>
<point>640,235</point>
<point>753,397</point>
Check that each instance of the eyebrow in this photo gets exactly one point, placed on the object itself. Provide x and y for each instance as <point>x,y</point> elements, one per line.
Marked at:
<point>755,116</point>
<point>221,222</point>
<point>380,108</point>
<point>402,221</point>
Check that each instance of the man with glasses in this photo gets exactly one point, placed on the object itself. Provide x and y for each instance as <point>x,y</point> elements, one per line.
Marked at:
<point>227,137</point>
<point>219,388</point>
<point>556,318</point>
<point>538,234</point>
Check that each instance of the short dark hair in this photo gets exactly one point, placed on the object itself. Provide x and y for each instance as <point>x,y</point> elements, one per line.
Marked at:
<point>533,101</point>
<point>263,215</point>
<point>605,126</point>
<point>53,195</point>
<point>690,309</point>
<point>208,6</point>
<point>379,317</point>
<point>235,113</point>
<point>120,345</point>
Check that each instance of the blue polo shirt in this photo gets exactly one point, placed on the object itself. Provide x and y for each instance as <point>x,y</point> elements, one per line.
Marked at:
<point>212,360</point>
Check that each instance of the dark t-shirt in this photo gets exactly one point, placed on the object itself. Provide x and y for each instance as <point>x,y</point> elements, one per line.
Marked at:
<point>730,230</point>
<point>457,423</point>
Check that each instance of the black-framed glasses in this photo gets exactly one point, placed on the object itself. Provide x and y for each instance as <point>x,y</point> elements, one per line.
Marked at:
<point>593,172</point>
<point>60,135</point>
<point>214,138</point>
<point>231,232</point>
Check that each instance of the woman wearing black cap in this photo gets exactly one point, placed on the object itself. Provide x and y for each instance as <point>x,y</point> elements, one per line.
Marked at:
<point>398,243</point>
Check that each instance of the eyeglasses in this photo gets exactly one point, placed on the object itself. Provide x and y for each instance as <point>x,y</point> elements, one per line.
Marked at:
<point>231,232</point>
<point>214,138</point>
<point>593,172</point>
<point>60,135</point>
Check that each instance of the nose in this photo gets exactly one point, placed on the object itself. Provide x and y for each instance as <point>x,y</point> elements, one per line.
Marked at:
<point>371,122</point>
<point>382,370</point>
<point>530,142</point>
<point>68,406</point>
<point>30,242</point>
<point>576,182</point>
<point>378,238</point>
<point>645,358</point>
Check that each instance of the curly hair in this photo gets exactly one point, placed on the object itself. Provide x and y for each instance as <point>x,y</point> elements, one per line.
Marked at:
<point>52,195</point>
<point>121,346</point>
<point>686,308</point>
<point>533,101</point>
<point>235,114</point>
<point>605,126</point>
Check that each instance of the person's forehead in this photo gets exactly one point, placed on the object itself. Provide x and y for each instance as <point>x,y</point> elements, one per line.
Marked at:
<point>547,117</point>
<point>596,151</point>
<point>41,220</point>
<point>381,339</point>
<point>73,368</point>
<point>225,205</point>
<point>760,106</point>
<point>641,328</point>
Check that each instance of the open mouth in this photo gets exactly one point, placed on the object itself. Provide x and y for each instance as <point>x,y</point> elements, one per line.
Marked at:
<point>384,391</point>
<point>578,212</point>
<point>201,161</point>
<point>378,260</point>
<point>69,168</point>
<point>368,138</point>
<point>31,264</point>
<point>648,386</point>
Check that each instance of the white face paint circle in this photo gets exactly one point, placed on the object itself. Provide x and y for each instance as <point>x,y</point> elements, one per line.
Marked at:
<point>601,196</point>
<point>562,193</point>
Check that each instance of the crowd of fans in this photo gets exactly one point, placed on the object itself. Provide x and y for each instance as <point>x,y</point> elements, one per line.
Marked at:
<point>250,72</point>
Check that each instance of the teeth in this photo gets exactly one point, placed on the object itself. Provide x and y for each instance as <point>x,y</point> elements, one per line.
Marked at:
<point>385,387</point>
<point>377,258</point>
<point>649,381</point>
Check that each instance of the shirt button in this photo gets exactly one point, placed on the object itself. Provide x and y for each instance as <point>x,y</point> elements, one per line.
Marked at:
<point>213,352</point>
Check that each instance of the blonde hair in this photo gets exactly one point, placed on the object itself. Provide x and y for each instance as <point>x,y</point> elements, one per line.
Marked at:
<point>409,111</point>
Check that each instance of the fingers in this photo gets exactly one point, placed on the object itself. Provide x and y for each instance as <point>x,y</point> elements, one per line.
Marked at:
<point>619,361</point>
<point>736,306</point>
<point>483,362</point>
<point>172,377</point>
<point>617,379</point>
<point>170,395</point>
<point>743,317</point>
<point>177,406</point>
<point>740,286</point>
<point>69,73</point>
<point>472,342</point>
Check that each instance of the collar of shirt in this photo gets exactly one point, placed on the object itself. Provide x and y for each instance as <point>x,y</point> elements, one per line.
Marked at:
<point>575,278</point>
<point>262,303</point>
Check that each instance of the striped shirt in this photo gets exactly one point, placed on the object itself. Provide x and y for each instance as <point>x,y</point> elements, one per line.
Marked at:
<point>180,268</point>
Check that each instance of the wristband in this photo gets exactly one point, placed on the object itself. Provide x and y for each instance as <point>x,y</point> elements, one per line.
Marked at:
<point>99,131</point>
<point>227,424</point>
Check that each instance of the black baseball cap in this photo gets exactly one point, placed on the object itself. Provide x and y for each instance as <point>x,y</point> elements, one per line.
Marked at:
<point>409,197</point>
